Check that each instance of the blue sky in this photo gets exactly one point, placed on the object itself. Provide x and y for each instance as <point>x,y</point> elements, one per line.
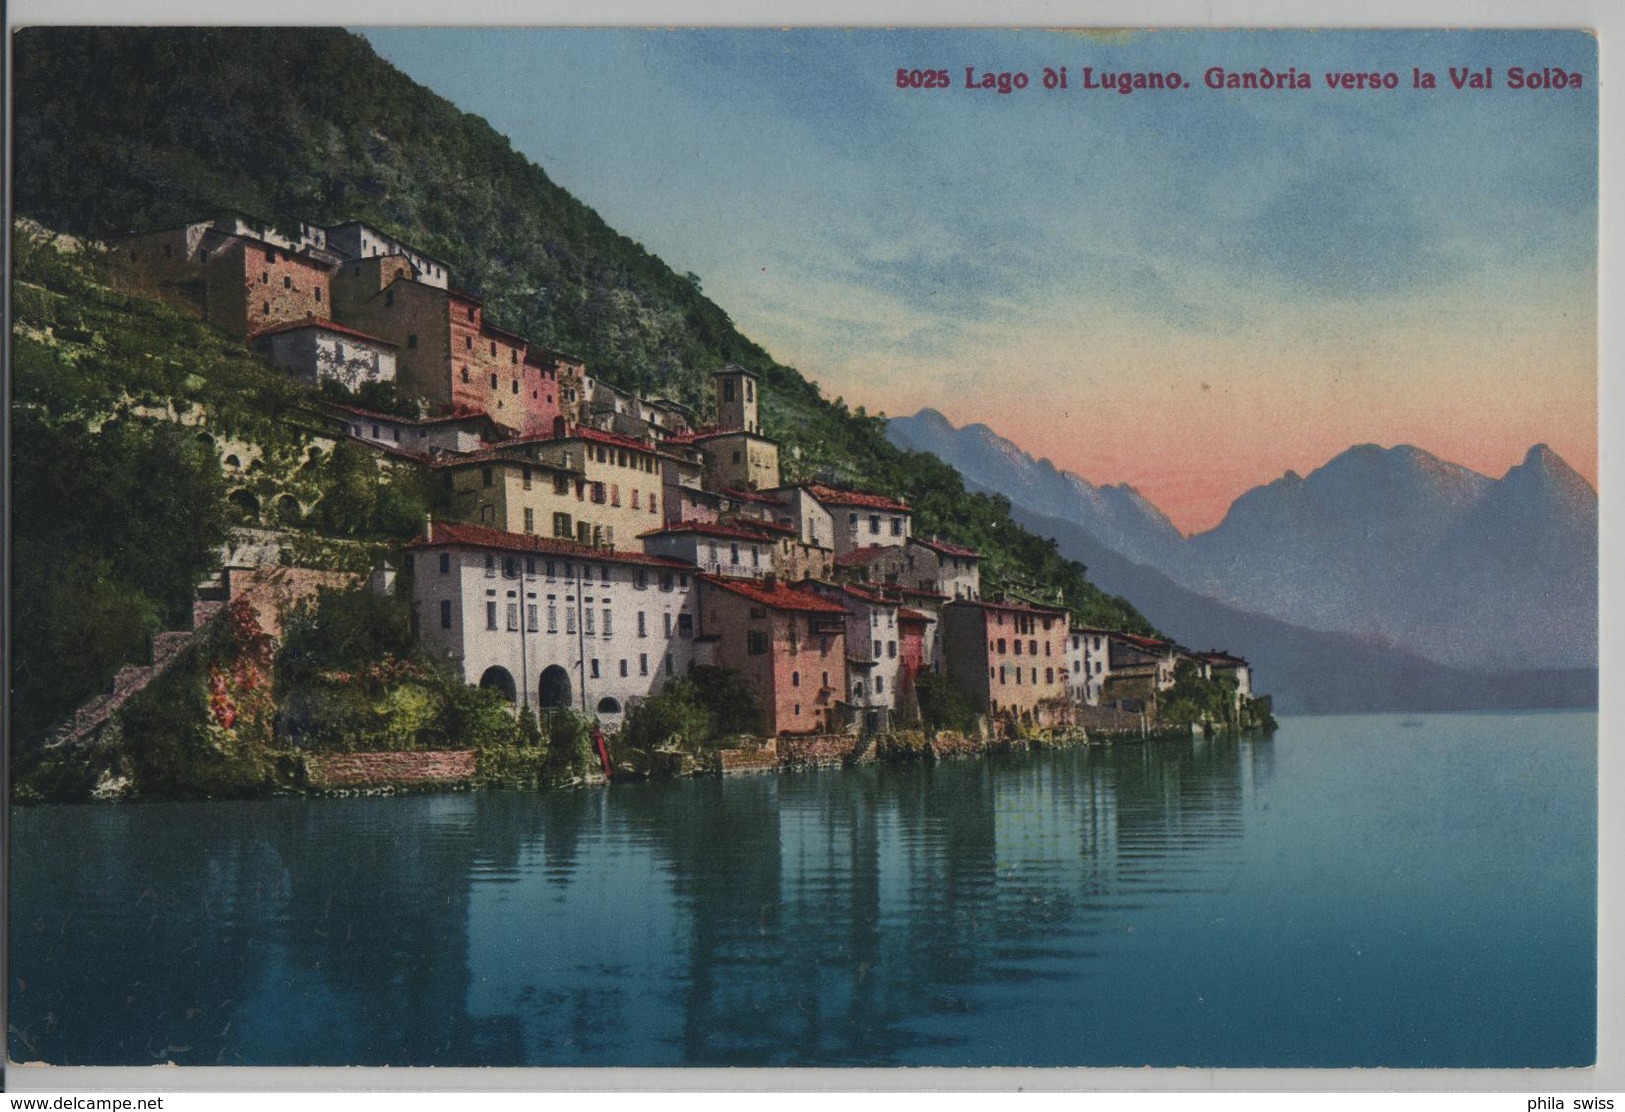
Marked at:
<point>1097,274</point>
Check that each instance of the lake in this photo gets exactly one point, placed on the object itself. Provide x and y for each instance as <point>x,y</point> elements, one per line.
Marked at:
<point>1376,890</point>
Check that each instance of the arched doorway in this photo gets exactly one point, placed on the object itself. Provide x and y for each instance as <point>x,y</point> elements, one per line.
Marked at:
<point>499,679</point>
<point>609,705</point>
<point>246,505</point>
<point>288,511</point>
<point>554,688</point>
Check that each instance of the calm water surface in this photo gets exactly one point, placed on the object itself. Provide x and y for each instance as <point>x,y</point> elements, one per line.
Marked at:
<point>1354,892</point>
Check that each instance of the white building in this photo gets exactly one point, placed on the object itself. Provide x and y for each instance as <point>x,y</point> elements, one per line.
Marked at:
<point>318,351</point>
<point>1088,663</point>
<point>457,433</point>
<point>355,240</point>
<point>550,623</point>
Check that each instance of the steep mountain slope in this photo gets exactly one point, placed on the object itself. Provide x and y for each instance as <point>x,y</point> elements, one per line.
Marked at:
<point>1312,671</point>
<point>1119,516</point>
<point>1389,544</point>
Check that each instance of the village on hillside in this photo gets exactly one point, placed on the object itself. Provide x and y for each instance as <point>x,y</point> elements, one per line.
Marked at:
<point>598,543</point>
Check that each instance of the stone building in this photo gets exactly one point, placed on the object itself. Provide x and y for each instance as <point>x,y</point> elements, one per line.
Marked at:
<point>715,548</point>
<point>317,351</point>
<point>453,433</point>
<point>355,241</point>
<point>934,566</point>
<point>858,519</point>
<point>1009,657</point>
<point>1137,669</point>
<point>227,272</point>
<point>789,645</point>
<point>549,623</point>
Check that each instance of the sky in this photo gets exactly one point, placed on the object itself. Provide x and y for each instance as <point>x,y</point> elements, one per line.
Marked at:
<point>1190,291</point>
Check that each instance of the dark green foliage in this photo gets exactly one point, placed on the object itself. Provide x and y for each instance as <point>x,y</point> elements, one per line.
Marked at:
<point>1211,703</point>
<point>175,748</point>
<point>570,749</point>
<point>944,706</point>
<point>363,500</point>
<point>731,703</point>
<point>348,630</point>
<point>111,531</point>
<point>675,715</point>
<point>477,718</point>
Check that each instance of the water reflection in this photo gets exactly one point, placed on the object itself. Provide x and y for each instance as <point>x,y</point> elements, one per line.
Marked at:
<point>1039,909</point>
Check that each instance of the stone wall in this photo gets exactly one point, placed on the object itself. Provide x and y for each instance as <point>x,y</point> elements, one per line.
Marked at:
<point>946,744</point>
<point>1108,720</point>
<point>762,758</point>
<point>824,751</point>
<point>271,591</point>
<point>430,768</point>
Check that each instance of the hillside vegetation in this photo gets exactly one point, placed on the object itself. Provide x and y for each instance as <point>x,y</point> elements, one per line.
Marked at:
<point>133,129</point>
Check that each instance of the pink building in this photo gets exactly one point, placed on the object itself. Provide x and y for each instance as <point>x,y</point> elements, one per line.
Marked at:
<point>788,644</point>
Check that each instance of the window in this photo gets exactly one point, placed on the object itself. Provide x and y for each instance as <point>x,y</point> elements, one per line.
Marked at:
<point>270,255</point>
<point>490,615</point>
<point>615,494</point>
<point>265,306</point>
<point>318,293</point>
<point>552,614</point>
<point>670,664</point>
<point>733,557</point>
<point>493,382</point>
<point>668,624</point>
<point>513,616</point>
<point>643,664</point>
<point>880,684</point>
<point>412,340</point>
<point>609,624</point>
<point>468,343</point>
<point>587,616</point>
<point>755,639</point>
<point>877,650</point>
<point>685,625</point>
<point>569,616</point>
<point>530,616</point>
<point>891,650</point>
<point>736,457</point>
<point>486,477</point>
<point>1032,648</point>
<point>874,524</point>
<point>445,563</point>
<point>530,520</point>
<point>516,386</point>
<point>389,297</point>
<point>795,679</point>
<point>1049,675</point>
<point>526,476</point>
<point>896,526</point>
<point>287,283</point>
<point>625,669</point>
<point>445,613</point>
<point>465,374</point>
<point>727,390</point>
<point>562,526</point>
<point>493,347</point>
<point>265,278</point>
<point>595,673</point>
<point>490,566</point>
<point>471,314</point>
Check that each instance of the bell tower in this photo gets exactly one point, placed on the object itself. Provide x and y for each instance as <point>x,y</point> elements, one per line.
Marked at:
<point>736,400</point>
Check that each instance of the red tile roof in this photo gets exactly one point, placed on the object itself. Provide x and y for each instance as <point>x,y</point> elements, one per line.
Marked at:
<point>1219,656</point>
<point>709,529</point>
<point>443,419</point>
<point>752,496</point>
<point>1144,642</point>
<point>615,440</point>
<point>499,453</point>
<point>1018,607</point>
<point>905,614</point>
<point>947,549</point>
<point>478,536</point>
<point>862,557</point>
<point>324,325</point>
<point>776,595</point>
<point>836,497</point>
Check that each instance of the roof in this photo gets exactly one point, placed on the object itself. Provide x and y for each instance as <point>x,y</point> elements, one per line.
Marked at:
<point>489,329</point>
<point>1016,607</point>
<point>736,369</point>
<point>776,595</point>
<point>444,419</point>
<point>905,614</point>
<point>709,529</point>
<point>440,533</point>
<point>597,436</point>
<point>947,549</point>
<point>324,325</point>
<point>864,498</point>
<point>1219,656</point>
<point>498,453</point>
<point>862,594</point>
<point>861,557</point>
<point>1144,642</point>
<point>752,496</point>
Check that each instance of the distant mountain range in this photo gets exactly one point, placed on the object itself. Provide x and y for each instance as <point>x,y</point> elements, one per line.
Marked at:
<point>1387,578</point>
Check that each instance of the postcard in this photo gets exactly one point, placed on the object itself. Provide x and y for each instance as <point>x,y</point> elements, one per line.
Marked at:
<point>720,547</point>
